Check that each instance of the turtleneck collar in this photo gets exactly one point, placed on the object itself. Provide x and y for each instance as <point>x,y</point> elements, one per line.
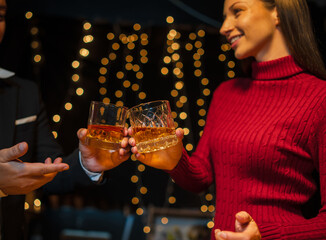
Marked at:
<point>275,69</point>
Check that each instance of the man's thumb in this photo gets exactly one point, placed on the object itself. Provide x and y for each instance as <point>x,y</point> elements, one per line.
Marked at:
<point>14,152</point>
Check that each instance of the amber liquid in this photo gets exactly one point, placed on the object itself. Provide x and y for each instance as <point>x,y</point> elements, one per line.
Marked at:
<point>150,139</point>
<point>104,136</point>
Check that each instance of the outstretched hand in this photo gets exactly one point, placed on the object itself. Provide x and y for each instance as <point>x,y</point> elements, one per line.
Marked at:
<point>99,160</point>
<point>166,159</point>
<point>17,177</point>
<point>245,228</point>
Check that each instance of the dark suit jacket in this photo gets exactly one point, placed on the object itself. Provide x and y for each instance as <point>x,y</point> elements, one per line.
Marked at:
<point>20,100</point>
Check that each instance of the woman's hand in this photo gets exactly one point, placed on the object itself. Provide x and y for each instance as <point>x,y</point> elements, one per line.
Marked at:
<point>166,159</point>
<point>245,229</point>
<point>99,160</point>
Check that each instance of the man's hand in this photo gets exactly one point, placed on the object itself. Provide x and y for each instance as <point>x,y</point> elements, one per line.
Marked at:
<point>99,160</point>
<point>245,229</point>
<point>17,177</point>
<point>166,159</point>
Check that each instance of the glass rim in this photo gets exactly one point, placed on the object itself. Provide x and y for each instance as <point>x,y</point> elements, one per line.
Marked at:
<point>147,103</point>
<point>109,104</point>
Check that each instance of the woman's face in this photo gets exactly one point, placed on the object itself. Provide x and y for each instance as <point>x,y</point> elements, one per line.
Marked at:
<point>250,28</point>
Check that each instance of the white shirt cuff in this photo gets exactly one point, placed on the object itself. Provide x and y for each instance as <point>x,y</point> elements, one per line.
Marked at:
<point>94,176</point>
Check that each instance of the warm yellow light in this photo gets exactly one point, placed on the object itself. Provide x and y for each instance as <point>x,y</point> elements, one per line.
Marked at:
<point>101,79</point>
<point>126,83</point>
<point>141,167</point>
<point>146,229</point>
<point>133,157</point>
<point>75,77</point>
<point>209,197</point>
<point>35,44</point>
<point>143,190</point>
<point>202,112</point>
<point>166,59</point>
<point>142,95</point>
<point>128,66</point>
<point>183,99</point>
<point>172,200</point>
<point>137,27</point>
<point>144,60</point>
<point>28,15</point>
<point>192,36</point>
<point>106,100</point>
<point>115,46</point>
<point>180,75</point>
<point>112,56</point>
<point>179,104</point>
<point>197,72</point>
<point>79,91</point>
<point>55,134</point>
<point>200,102</point>
<point>231,74</point>
<point>201,51</point>
<point>198,44</point>
<point>75,64</point>
<point>37,58</point>
<point>134,179</point>
<point>231,64</point>
<point>34,30</point>
<point>206,92</point>
<point>88,38</point>
<point>204,81</point>
<point>105,61</point>
<point>222,57</point>
<point>179,65</point>
<point>175,57</point>
<point>110,36</point>
<point>136,68</point>
<point>174,93</point>
<point>164,71</point>
<point>164,220</point>
<point>200,133</point>
<point>179,85</point>
<point>131,46</point>
<point>87,26</point>
<point>118,93</point>
<point>37,202</point>
<point>144,42</point>
<point>189,147</point>
<point>143,36</point>
<point>201,122</point>
<point>103,70</point>
<point>135,200</point>
<point>204,208</point>
<point>189,46</point>
<point>143,52</point>
<point>120,75</point>
<point>201,33</point>
<point>225,47</point>
<point>170,50</point>
<point>183,115</point>
<point>211,208</point>
<point>135,87</point>
<point>56,118</point>
<point>103,91</point>
<point>176,71</point>
<point>26,206</point>
<point>197,64</point>
<point>139,211</point>
<point>174,114</point>
<point>196,56</point>
<point>175,46</point>
<point>210,224</point>
<point>68,106</point>
<point>173,32</point>
<point>186,131</point>
<point>170,19</point>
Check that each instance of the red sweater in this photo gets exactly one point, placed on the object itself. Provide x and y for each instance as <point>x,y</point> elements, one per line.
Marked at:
<point>262,140</point>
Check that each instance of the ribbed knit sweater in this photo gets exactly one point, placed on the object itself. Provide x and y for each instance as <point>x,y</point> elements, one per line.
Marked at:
<point>262,140</point>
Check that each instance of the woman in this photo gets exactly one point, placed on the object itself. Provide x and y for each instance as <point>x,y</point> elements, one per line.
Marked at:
<point>265,135</point>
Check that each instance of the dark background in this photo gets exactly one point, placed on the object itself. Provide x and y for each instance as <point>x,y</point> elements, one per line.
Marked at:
<point>60,35</point>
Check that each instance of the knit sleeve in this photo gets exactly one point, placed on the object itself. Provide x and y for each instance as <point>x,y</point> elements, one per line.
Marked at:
<point>314,228</point>
<point>195,173</point>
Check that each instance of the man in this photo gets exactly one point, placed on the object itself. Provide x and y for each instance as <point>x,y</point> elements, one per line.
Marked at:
<point>25,137</point>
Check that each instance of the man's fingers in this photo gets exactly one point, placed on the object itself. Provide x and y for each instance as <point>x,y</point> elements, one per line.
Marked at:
<point>42,168</point>
<point>180,133</point>
<point>81,134</point>
<point>13,152</point>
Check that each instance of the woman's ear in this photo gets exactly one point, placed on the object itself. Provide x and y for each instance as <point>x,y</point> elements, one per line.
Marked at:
<point>275,16</point>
